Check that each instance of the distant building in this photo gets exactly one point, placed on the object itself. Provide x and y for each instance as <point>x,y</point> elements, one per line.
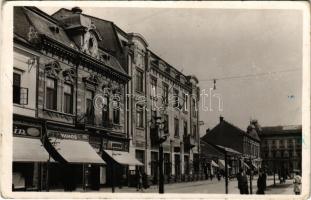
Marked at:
<point>230,136</point>
<point>281,148</point>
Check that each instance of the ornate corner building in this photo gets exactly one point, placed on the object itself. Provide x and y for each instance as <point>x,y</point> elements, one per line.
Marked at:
<point>85,94</point>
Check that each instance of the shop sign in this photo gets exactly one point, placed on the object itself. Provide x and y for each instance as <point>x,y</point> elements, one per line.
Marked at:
<point>68,136</point>
<point>26,130</point>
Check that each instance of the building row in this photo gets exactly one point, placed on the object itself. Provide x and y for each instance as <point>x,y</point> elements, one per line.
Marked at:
<point>276,149</point>
<point>86,96</point>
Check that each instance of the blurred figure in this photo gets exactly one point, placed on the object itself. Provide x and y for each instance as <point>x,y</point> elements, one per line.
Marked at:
<point>297,183</point>
<point>139,180</point>
<point>242,182</point>
<point>261,183</point>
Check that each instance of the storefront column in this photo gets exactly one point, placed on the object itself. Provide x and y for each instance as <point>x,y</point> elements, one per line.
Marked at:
<point>148,162</point>
<point>182,159</point>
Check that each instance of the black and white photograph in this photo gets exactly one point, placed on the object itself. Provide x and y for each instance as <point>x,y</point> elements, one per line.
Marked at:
<point>169,98</point>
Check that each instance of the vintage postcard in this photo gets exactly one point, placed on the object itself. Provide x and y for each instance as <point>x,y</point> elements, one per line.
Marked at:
<point>148,100</point>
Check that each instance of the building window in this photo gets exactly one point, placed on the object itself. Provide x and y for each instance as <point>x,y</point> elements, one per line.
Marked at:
<point>194,133</point>
<point>165,93</point>
<point>89,106</point>
<point>185,128</point>
<point>139,81</point>
<point>166,124</point>
<point>194,108</point>
<point>140,116</point>
<point>176,127</point>
<point>185,99</point>
<point>116,112</point>
<point>140,156</point>
<point>16,88</point>
<point>105,111</point>
<point>176,99</point>
<point>153,87</point>
<point>68,99</point>
<point>51,94</point>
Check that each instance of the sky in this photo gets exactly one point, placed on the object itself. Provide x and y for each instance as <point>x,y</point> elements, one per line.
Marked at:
<point>247,45</point>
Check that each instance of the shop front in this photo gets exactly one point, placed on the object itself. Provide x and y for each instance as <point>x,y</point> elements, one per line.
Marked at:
<point>79,164</point>
<point>29,156</point>
<point>121,165</point>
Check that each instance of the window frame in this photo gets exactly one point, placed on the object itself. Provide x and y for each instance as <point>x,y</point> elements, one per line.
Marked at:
<point>176,127</point>
<point>54,90</point>
<point>139,85</point>
<point>139,116</point>
<point>71,98</point>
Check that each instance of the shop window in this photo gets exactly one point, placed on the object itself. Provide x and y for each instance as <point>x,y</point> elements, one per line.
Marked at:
<point>139,116</point>
<point>139,81</point>
<point>51,93</point>
<point>68,99</point>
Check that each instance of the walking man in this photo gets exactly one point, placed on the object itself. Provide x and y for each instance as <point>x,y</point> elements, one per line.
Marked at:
<point>297,183</point>
<point>261,183</point>
<point>242,182</point>
<point>139,180</point>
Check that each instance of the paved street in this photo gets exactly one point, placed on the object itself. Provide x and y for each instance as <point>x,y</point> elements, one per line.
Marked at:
<point>212,187</point>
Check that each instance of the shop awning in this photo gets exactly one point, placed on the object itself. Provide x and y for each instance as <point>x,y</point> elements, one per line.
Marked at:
<point>222,164</point>
<point>77,151</point>
<point>29,150</point>
<point>214,164</point>
<point>123,158</point>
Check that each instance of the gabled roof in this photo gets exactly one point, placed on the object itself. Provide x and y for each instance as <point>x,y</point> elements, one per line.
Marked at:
<point>209,151</point>
<point>224,127</point>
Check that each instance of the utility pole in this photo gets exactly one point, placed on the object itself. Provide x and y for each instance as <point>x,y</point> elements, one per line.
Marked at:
<point>226,171</point>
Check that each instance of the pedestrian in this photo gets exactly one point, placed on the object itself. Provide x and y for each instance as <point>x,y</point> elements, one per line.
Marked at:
<point>297,183</point>
<point>139,180</point>
<point>145,180</point>
<point>242,182</point>
<point>265,179</point>
<point>218,176</point>
<point>261,183</point>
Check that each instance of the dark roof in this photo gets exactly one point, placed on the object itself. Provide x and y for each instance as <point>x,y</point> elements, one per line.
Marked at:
<point>271,130</point>
<point>27,17</point>
<point>209,151</point>
<point>225,126</point>
<point>105,28</point>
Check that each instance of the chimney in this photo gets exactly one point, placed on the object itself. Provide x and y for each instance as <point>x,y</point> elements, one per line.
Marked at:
<point>221,118</point>
<point>76,10</point>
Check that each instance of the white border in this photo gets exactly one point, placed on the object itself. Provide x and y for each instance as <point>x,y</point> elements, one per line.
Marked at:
<point>6,94</point>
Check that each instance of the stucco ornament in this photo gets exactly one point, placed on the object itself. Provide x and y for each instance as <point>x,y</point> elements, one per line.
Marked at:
<point>90,43</point>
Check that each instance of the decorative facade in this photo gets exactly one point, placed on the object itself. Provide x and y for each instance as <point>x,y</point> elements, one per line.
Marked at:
<point>84,94</point>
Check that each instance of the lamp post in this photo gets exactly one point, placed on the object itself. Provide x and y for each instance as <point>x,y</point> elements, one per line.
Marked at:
<point>161,138</point>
